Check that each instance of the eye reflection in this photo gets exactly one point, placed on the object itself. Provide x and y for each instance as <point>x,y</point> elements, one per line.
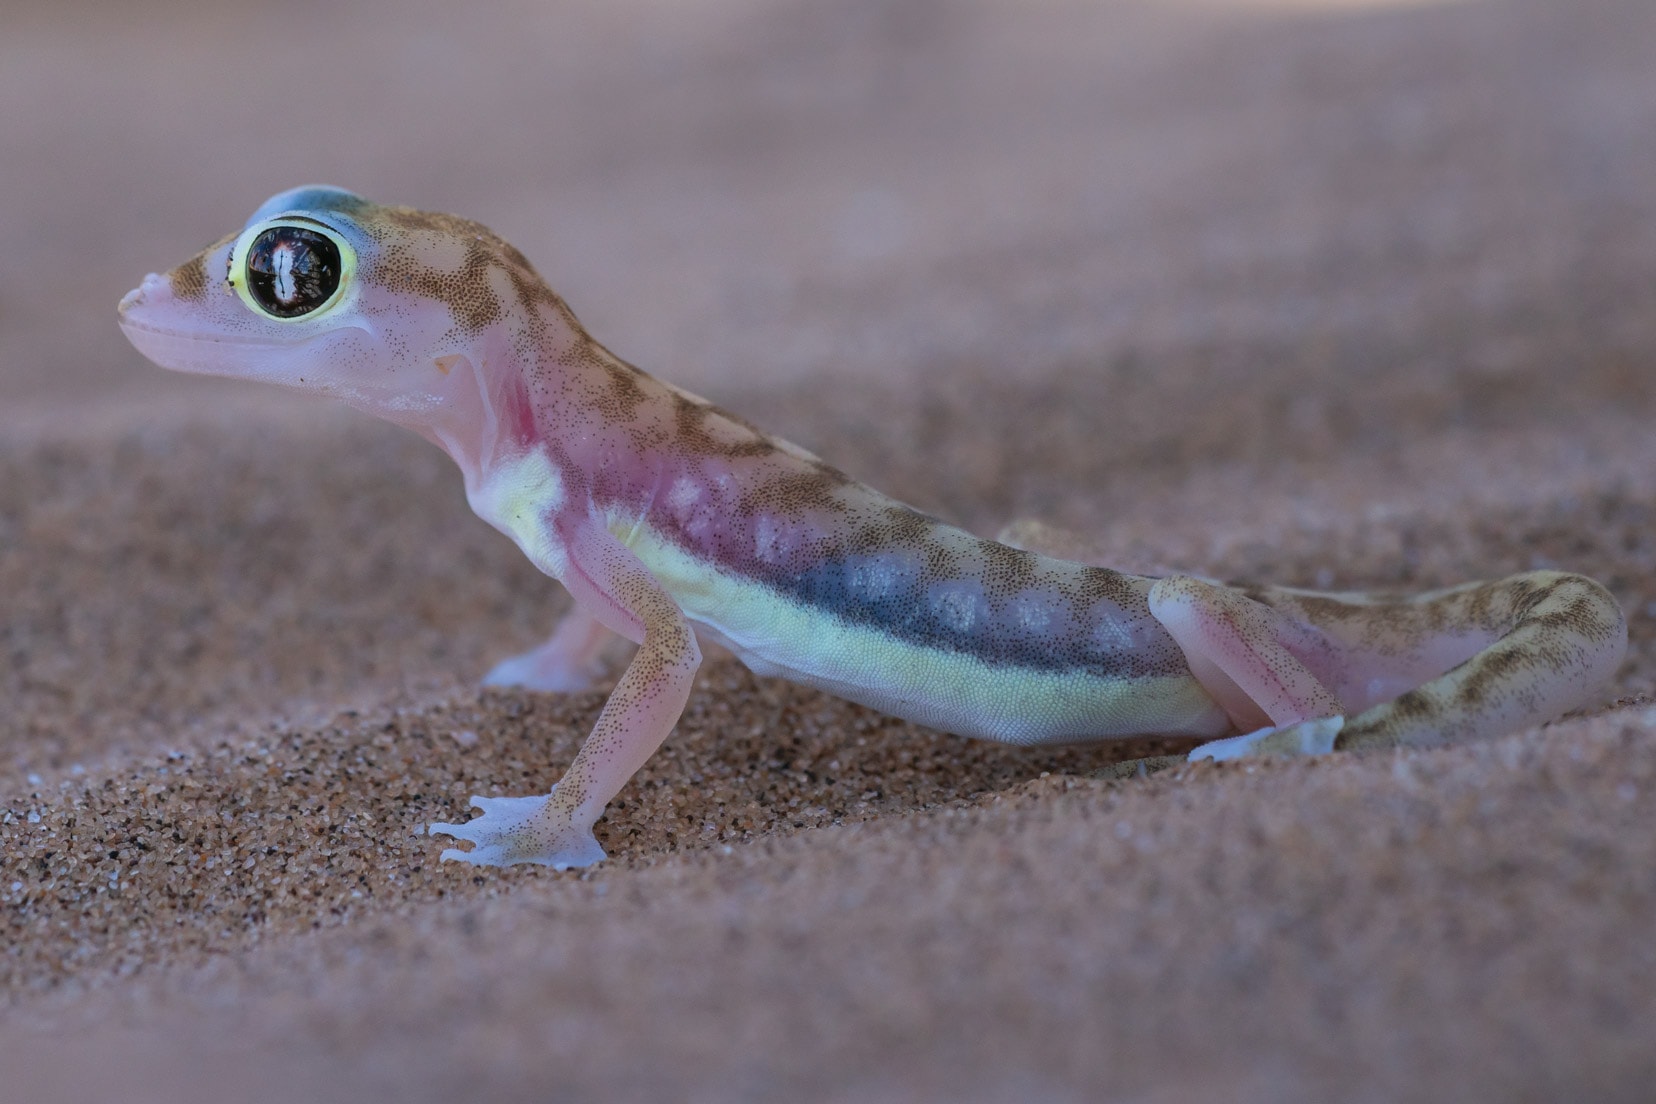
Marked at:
<point>292,271</point>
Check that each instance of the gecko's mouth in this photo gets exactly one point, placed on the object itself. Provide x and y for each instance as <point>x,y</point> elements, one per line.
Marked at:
<point>199,343</point>
<point>203,351</point>
<point>129,315</point>
<point>131,326</point>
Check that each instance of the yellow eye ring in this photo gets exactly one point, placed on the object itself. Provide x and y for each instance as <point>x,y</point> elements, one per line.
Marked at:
<point>292,268</point>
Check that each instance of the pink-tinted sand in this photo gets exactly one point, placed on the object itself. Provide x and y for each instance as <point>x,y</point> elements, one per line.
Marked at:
<point>1340,295</point>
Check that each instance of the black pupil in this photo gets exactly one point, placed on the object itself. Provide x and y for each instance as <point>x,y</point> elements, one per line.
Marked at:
<point>292,271</point>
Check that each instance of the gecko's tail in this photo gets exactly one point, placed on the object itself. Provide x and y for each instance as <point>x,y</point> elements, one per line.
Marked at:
<point>1534,647</point>
<point>1561,638</point>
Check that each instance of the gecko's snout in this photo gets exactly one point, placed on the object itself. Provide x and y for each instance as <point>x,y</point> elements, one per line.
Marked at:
<point>135,297</point>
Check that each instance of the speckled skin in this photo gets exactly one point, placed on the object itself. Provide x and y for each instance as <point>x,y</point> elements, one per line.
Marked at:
<point>668,519</point>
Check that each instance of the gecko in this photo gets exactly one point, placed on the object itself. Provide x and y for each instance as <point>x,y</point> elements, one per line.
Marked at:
<point>672,521</point>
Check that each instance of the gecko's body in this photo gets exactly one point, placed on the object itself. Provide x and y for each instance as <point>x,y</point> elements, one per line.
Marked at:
<point>670,519</point>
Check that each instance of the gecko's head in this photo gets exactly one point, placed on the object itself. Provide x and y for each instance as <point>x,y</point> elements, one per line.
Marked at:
<point>326,292</point>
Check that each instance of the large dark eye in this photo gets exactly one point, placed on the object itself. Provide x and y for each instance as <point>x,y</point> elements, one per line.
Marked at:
<point>292,271</point>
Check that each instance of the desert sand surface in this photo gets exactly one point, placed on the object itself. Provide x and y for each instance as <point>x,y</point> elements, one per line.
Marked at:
<point>1343,294</point>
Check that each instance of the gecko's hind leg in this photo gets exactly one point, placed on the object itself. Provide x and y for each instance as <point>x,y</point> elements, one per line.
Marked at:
<point>571,660</point>
<point>1049,540</point>
<point>1263,666</point>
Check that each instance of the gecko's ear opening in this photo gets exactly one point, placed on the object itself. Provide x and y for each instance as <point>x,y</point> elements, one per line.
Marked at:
<point>307,197</point>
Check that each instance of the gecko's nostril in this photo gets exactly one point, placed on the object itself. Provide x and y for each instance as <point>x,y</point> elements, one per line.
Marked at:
<point>152,282</point>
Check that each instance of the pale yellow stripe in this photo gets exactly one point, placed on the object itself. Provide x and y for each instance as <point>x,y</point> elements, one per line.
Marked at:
<point>942,689</point>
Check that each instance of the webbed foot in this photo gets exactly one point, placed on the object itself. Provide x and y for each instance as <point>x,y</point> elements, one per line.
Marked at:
<point>1315,737</point>
<point>532,671</point>
<point>570,661</point>
<point>520,830</point>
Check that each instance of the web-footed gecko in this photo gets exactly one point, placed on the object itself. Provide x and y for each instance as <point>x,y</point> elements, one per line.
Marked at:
<point>669,519</point>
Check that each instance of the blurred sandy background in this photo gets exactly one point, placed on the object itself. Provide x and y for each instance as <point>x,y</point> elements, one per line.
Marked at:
<point>1342,293</point>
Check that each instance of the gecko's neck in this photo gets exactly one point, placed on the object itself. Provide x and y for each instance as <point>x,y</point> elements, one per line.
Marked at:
<point>571,401</point>
<point>479,409</point>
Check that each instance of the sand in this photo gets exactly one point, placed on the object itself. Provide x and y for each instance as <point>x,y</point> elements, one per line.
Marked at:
<point>1333,294</point>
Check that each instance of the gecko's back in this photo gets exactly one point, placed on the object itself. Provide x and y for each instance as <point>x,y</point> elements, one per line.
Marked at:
<point>777,554</point>
<point>808,574</point>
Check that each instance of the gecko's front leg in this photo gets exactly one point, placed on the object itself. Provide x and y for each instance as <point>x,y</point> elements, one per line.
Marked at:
<point>610,583</point>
